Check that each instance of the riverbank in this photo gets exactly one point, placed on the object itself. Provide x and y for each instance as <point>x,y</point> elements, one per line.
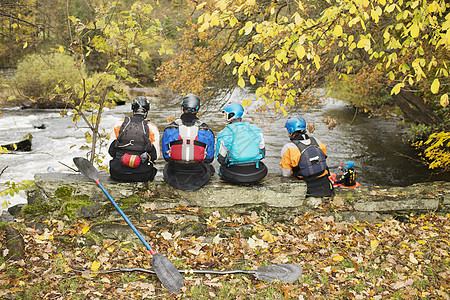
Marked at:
<point>401,253</point>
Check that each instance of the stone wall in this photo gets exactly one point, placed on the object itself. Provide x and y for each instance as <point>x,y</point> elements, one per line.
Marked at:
<point>64,195</point>
<point>73,195</point>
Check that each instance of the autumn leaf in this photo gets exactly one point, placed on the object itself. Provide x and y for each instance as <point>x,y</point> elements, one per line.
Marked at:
<point>373,244</point>
<point>444,100</point>
<point>227,58</point>
<point>241,82</point>
<point>435,86</point>
<point>269,237</point>
<point>337,30</point>
<point>414,30</point>
<point>248,27</point>
<point>85,229</point>
<point>338,258</point>
<point>166,235</point>
<point>95,265</point>
<point>397,88</point>
<point>300,50</point>
<point>413,259</point>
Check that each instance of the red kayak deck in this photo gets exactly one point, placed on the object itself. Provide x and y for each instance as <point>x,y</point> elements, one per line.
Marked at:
<point>333,179</point>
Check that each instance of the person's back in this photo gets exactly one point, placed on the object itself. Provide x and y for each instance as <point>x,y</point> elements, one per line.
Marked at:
<point>305,158</point>
<point>240,148</point>
<point>188,147</point>
<point>134,145</point>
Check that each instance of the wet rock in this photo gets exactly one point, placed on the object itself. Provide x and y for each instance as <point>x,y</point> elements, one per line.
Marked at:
<point>23,145</point>
<point>7,217</point>
<point>39,125</point>
<point>14,243</point>
<point>16,209</point>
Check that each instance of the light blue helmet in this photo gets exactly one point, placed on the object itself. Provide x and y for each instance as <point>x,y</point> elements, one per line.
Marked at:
<point>349,164</point>
<point>295,124</point>
<point>233,111</point>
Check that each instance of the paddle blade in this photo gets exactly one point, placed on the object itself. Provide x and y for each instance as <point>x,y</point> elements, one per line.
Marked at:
<point>86,168</point>
<point>282,272</point>
<point>167,273</point>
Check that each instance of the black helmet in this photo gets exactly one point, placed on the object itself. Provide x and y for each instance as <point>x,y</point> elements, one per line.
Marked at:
<point>140,104</point>
<point>191,103</point>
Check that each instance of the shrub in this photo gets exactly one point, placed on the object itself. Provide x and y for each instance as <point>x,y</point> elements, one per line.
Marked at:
<point>418,132</point>
<point>37,75</point>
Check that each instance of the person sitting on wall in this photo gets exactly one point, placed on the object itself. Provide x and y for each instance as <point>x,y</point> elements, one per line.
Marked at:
<point>240,148</point>
<point>305,158</point>
<point>134,145</point>
<point>188,147</point>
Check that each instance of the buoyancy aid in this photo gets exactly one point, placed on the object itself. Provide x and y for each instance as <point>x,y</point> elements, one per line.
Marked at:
<point>244,147</point>
<point>312,160</point>
<point>187,147</point>
<point>348,178</point>
<point>133,136</point>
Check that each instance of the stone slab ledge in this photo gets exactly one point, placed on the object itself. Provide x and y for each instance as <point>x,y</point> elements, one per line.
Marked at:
<point>273,190</point>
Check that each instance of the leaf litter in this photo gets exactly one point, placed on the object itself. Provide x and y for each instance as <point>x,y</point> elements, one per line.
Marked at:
<point>383,260</point>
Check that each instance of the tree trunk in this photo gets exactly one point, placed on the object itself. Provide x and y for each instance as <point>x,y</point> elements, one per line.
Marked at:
<point>415,109</point>
<point>96,126</point>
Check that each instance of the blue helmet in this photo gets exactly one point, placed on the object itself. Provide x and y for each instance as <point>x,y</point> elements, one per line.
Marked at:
<point>233,111</point>
<point>349,164</point>
<point>295,124</point>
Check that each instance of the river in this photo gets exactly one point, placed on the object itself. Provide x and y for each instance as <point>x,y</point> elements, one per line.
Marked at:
<point>374,144</point>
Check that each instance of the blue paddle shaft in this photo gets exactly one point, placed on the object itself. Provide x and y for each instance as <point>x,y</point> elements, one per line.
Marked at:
<point>125,217</point>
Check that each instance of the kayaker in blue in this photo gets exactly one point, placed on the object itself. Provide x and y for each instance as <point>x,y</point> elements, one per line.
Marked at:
<point>240,148</point>
<point>348,178</point>
<point>188,147</point>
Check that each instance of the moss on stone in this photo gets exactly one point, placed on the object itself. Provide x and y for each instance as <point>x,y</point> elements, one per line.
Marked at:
<point>38,209</point>
<point>70,207</point>
<point>349,198</point>
<point>131,200</point>
<point>63,192</point>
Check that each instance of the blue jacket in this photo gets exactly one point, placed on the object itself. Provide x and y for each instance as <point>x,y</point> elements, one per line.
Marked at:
<point>172,133</point>
<point>240,142</point>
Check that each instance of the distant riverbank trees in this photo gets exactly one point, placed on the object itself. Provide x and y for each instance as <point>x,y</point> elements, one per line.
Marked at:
<point>105,49</point>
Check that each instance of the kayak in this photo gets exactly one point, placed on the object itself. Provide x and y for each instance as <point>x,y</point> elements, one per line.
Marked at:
<point>333,179</point>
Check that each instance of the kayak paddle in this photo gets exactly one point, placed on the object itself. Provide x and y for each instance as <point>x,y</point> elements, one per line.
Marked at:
<point>281,272</point>
<point>169,276</point>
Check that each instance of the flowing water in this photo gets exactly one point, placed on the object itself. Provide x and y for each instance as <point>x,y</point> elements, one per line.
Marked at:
<point>374,144</point>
